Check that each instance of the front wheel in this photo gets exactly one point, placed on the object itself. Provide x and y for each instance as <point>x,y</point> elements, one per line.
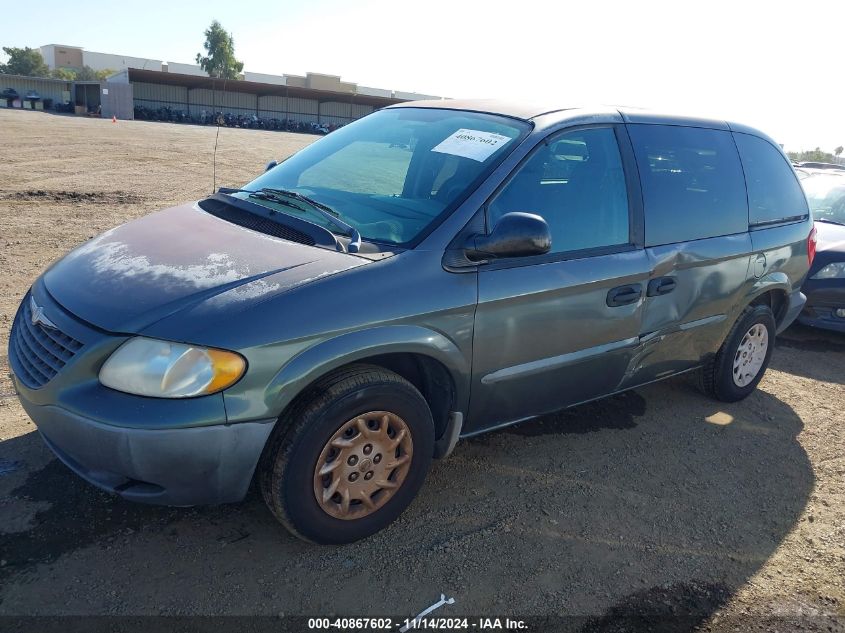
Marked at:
<point>350,456</point>
<point>742,359</point>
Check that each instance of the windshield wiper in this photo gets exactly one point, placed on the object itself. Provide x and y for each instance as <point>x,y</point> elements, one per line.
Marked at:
<point>279,196</point>
<point>298,196</point>
<point>324,210</point>
<point>829,221</point>
<point>261,195</point>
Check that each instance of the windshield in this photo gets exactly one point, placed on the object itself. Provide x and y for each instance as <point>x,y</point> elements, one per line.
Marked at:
<point>395,173</point>
<point>826,195</point>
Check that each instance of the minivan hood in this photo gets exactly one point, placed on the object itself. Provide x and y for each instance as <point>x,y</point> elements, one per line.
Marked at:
<point>138,273</point>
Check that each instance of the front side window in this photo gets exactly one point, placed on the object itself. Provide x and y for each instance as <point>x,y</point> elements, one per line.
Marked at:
<point>393,174</point>
<point>692,182</point>
<point>576,183</point>
<point>773,190</point>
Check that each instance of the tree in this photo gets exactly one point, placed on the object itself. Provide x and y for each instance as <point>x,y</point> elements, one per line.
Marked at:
<point>65,74</point>
<point>838,151</point>
<point>24,61</point>
<point>816,155</point>
<point>220,60</point>
<point>89,74</point>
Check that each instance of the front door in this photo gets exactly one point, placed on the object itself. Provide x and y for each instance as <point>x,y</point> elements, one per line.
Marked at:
<point>558,329</point>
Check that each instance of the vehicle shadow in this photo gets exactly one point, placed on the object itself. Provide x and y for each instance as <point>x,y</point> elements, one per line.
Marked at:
<point>813,353</point>
<point>654,503</point>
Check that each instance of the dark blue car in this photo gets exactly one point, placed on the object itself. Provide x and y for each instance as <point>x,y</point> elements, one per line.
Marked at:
<point>825,285</point>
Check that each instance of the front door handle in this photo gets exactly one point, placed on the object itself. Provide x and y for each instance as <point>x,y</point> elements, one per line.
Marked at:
<point>624,295</point>
<point>661,286</point>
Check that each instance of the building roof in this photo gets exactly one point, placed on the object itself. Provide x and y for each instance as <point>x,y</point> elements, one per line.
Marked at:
<point>256,88</point>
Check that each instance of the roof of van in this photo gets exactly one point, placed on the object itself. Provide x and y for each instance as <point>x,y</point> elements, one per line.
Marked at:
<point>515,109</point>
<point>528,110</point>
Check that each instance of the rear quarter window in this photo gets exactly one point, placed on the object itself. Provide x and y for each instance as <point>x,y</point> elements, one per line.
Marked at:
<point>692,181</point>
<point>774,192</point>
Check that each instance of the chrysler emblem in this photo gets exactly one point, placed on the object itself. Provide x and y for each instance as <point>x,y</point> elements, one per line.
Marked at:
<point>38,317</point>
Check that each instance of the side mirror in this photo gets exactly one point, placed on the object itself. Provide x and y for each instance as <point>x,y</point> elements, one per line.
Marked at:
<point>270,165</point>
<point>516,234</point>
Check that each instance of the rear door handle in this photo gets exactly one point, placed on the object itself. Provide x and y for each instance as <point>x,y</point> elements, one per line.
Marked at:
<point>624,295</point>
<point>661,286</point>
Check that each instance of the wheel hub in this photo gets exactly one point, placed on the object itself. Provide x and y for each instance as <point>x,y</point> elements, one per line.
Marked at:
<point>750,355</point>
<point>363,465</point>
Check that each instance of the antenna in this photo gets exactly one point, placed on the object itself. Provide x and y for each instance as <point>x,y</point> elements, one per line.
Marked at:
<point>217,134</point>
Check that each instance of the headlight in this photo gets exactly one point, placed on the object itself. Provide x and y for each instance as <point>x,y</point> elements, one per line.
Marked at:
<point>831,271</point>
<point>148,367</point>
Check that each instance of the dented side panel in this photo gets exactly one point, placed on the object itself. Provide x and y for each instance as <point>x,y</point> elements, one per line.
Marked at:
<point>683,326</point>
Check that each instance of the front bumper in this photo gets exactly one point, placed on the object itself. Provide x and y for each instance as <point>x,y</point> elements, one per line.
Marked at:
<point>187,466</point>
<point>154,450</point>
<point>824,297</point>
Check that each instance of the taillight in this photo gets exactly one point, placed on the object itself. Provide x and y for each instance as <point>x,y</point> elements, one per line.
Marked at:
<point>811,245</point>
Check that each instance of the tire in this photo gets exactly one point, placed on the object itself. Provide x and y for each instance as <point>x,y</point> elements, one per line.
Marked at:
<point>718,378</point>
<point>308,433</point>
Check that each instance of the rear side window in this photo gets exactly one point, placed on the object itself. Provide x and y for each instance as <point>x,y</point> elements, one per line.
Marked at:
<point>692,181</point>
<point>773,190</point>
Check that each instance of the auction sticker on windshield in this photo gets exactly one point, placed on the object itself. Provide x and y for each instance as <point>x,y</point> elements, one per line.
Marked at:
<point>472,144</point>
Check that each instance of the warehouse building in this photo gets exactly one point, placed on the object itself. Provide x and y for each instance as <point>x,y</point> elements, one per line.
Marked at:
<point>152,84</point>
<point>317,99</point>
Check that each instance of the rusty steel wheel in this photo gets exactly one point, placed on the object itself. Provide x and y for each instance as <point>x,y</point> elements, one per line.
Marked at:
<point>363,465</point>
<point>334,474</point>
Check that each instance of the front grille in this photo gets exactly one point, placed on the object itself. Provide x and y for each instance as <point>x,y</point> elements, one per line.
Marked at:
<point>36,352</point>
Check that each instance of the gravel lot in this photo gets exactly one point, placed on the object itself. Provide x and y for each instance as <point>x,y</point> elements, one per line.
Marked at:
<point>655,502</point>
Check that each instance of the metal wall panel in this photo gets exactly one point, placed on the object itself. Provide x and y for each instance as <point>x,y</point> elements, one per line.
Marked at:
<point>240,100</point>
<point>334,109</point>
<point>297,105</point>
<point>176,96</point>
<point>117,101</point>
<point>195,101</point>
<point>273,103</point>
<point>221,101</point>
<point>361,110</point>
<point>46,88</point>
<point>201,99</point>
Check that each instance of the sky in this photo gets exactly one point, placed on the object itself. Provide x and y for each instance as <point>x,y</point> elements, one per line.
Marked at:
<point>775,65</point>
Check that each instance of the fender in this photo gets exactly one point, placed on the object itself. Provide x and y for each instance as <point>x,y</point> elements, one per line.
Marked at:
<point>776,280</point>
<point>320,359</point>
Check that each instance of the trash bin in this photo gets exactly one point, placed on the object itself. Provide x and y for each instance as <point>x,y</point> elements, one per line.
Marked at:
<point>8,96</point>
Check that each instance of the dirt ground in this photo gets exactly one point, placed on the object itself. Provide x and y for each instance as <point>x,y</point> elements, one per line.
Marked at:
<point>658,502</point>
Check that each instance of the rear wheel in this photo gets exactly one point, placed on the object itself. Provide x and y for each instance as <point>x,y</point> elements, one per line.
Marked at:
<point>736,369</point>
<point>350,456</point>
